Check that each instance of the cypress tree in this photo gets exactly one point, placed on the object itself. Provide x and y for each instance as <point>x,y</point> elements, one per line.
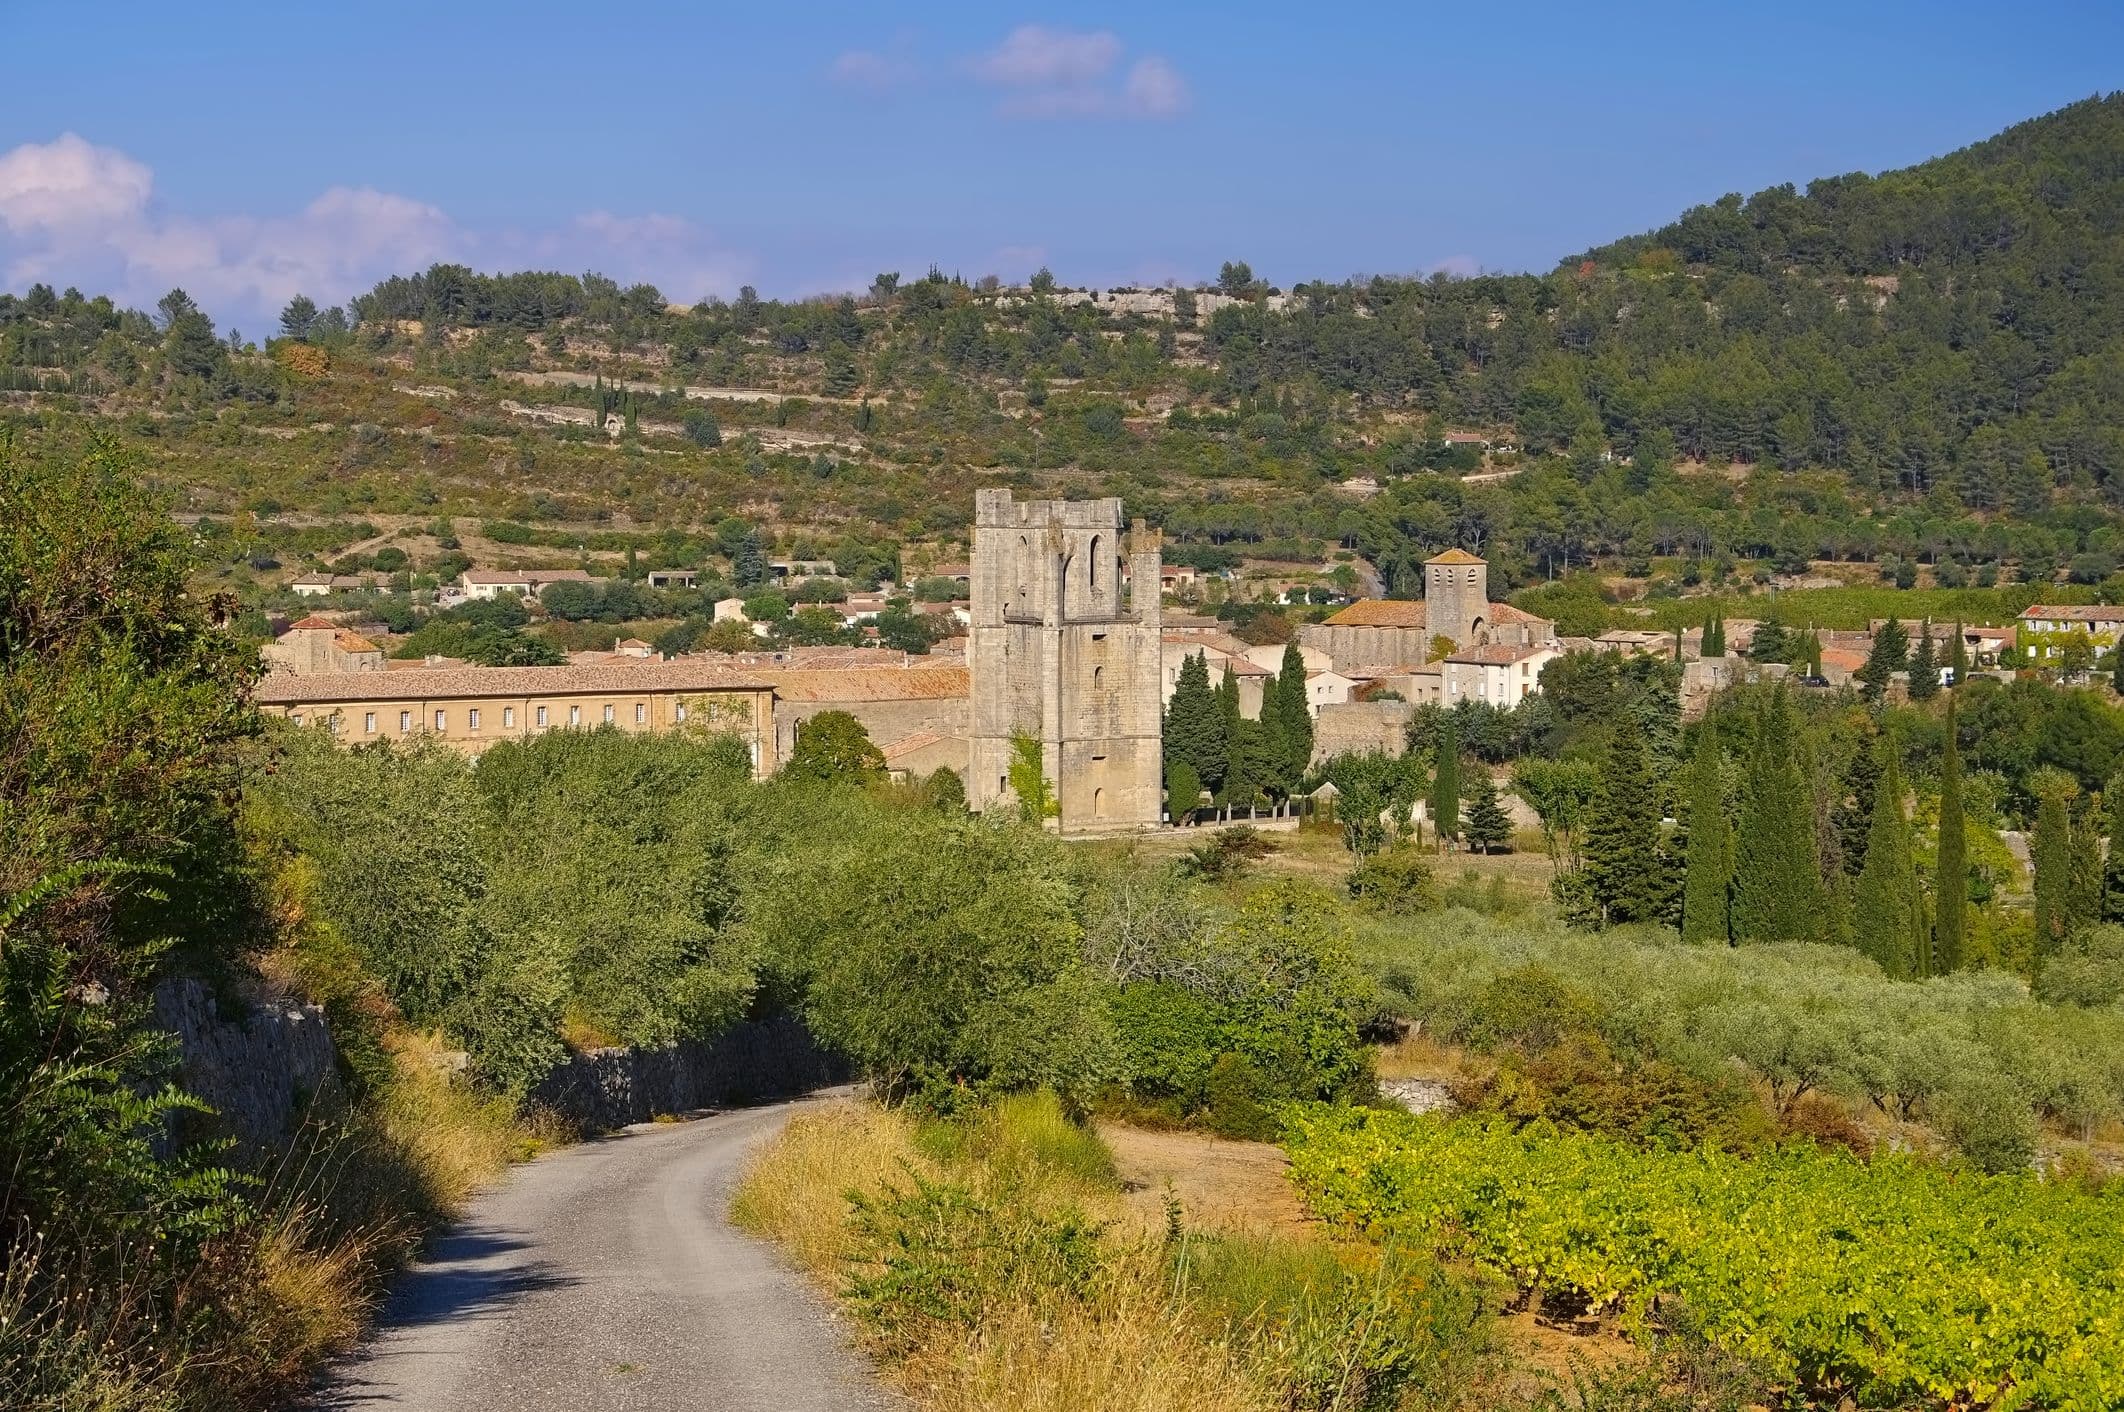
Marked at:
<point>1489,827</point>
<point>1853,815</point>
<point>2113,864</point>
<point>1626,872</point>
<point>2084,904</point>
<point>1958,655</point>
<point>1777,889</point>
<point>2050,851</point>
<point>1886,916</point>
<point>1294,728</point>
<point>1707,884</point>
<point>1924,667</point>
<point>1890,654</point>
<point>1194,722</point>
<point>1950,923</point>
<point>1714,636</point>
<point>1445,783</point>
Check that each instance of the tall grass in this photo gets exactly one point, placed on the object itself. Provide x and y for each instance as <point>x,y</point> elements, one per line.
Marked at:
<point>992,1269</point>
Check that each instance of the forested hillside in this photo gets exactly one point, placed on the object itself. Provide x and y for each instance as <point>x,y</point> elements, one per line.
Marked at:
<point>1920,374</point>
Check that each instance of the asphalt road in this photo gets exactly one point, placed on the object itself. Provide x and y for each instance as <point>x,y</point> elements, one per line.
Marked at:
<point>607,1276</point>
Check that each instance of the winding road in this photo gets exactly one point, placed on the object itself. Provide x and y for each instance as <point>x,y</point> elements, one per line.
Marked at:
<point>607,1275</point>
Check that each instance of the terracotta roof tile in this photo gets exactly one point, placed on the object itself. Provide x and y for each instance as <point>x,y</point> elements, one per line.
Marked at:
<point>1496,654</point>
<point>314,623</point>
<point>1454,556</point>
<point>2073,613</point>
<point>1381,613</point>
<point>868,683</point>
<point>427,683</point>
<point>353,642</point>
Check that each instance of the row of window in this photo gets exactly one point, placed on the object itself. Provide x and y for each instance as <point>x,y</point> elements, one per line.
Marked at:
<point>541,718</point>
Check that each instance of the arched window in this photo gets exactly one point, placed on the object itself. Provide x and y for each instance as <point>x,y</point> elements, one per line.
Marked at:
<point>1471,577</point>
<point>1098,803</point>
<point>1098,674</point>
<point>1095,563</point>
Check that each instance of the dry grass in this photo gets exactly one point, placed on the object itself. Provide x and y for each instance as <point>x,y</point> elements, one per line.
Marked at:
<point>1272,1319</point>
<point>1125,1347</point>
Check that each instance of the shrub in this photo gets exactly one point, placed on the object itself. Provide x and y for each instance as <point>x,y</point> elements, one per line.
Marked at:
<point>1341,1327</point>
<point>1396,880</point>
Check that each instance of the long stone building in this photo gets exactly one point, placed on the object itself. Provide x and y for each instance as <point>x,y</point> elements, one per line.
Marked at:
<point>472,708</point>
<point>1064,648</point>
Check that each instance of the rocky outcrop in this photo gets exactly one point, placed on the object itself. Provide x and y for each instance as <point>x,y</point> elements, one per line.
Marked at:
<point>262,1068</point>
<point>1418,1095</point>
<point>759,1059</point>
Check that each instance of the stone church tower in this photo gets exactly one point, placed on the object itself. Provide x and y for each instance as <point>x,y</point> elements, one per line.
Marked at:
<point>1456,597</point>
<point>1063,651</point>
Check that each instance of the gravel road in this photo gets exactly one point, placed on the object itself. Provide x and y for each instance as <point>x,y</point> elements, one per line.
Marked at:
<point>607,1275</point>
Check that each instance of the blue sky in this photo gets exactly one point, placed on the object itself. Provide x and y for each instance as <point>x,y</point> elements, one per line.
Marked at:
<point>246,151</point>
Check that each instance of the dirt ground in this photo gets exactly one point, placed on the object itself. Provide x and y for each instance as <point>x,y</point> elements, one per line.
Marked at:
<point>1220,1184</point>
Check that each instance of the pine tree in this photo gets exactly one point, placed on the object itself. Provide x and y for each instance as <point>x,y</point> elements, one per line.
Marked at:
<point>1627,874</point>
<point>2050,850</point>
<point>1714,636</point>
<point>1489,827</point>
<point>1707,885</point>
<point>1886,913</point>
<point>1445,784</point>
<point>1852,816</point>
<point>1890,654</point>
<point>1924,667</point>
<point>1777,891</point>
<point>1950,923</point>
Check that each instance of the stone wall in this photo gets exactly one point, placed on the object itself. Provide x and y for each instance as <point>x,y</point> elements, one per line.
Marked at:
<point>262,1070</point>
<point>1355,726</point>
<point>610,1088</point>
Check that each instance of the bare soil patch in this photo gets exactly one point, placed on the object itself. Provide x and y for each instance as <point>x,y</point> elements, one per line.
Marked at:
<point>1220,1184</point>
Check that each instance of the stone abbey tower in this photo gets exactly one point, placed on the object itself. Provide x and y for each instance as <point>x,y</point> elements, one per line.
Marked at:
<point>1062,650</point>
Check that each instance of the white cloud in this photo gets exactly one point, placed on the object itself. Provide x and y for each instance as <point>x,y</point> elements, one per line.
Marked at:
<point>68,183</point>
<point>1057,73</point>
<point>1034,56</point>
<point>1155,89</point>
<point>869,69</point>
<point>74,213</point>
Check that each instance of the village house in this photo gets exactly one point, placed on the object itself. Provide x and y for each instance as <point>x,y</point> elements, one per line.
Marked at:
<point>471,708</point>
<point>1497,673</point>
<point>2042,627</point>
<point>317,645</point>
<point>322,585</point>
<point>524,583</point>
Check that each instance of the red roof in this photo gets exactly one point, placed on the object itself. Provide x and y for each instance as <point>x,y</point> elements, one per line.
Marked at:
<point>314,623</point>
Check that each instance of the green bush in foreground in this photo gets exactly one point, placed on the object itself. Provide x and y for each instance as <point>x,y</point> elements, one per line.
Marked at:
<point>1889,1281</point>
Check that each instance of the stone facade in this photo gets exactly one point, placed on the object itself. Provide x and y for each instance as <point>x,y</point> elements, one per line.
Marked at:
<point>1456,596</point>
<point>1376,635</point>
<point>1061,650</point>
<point>471,708</point>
